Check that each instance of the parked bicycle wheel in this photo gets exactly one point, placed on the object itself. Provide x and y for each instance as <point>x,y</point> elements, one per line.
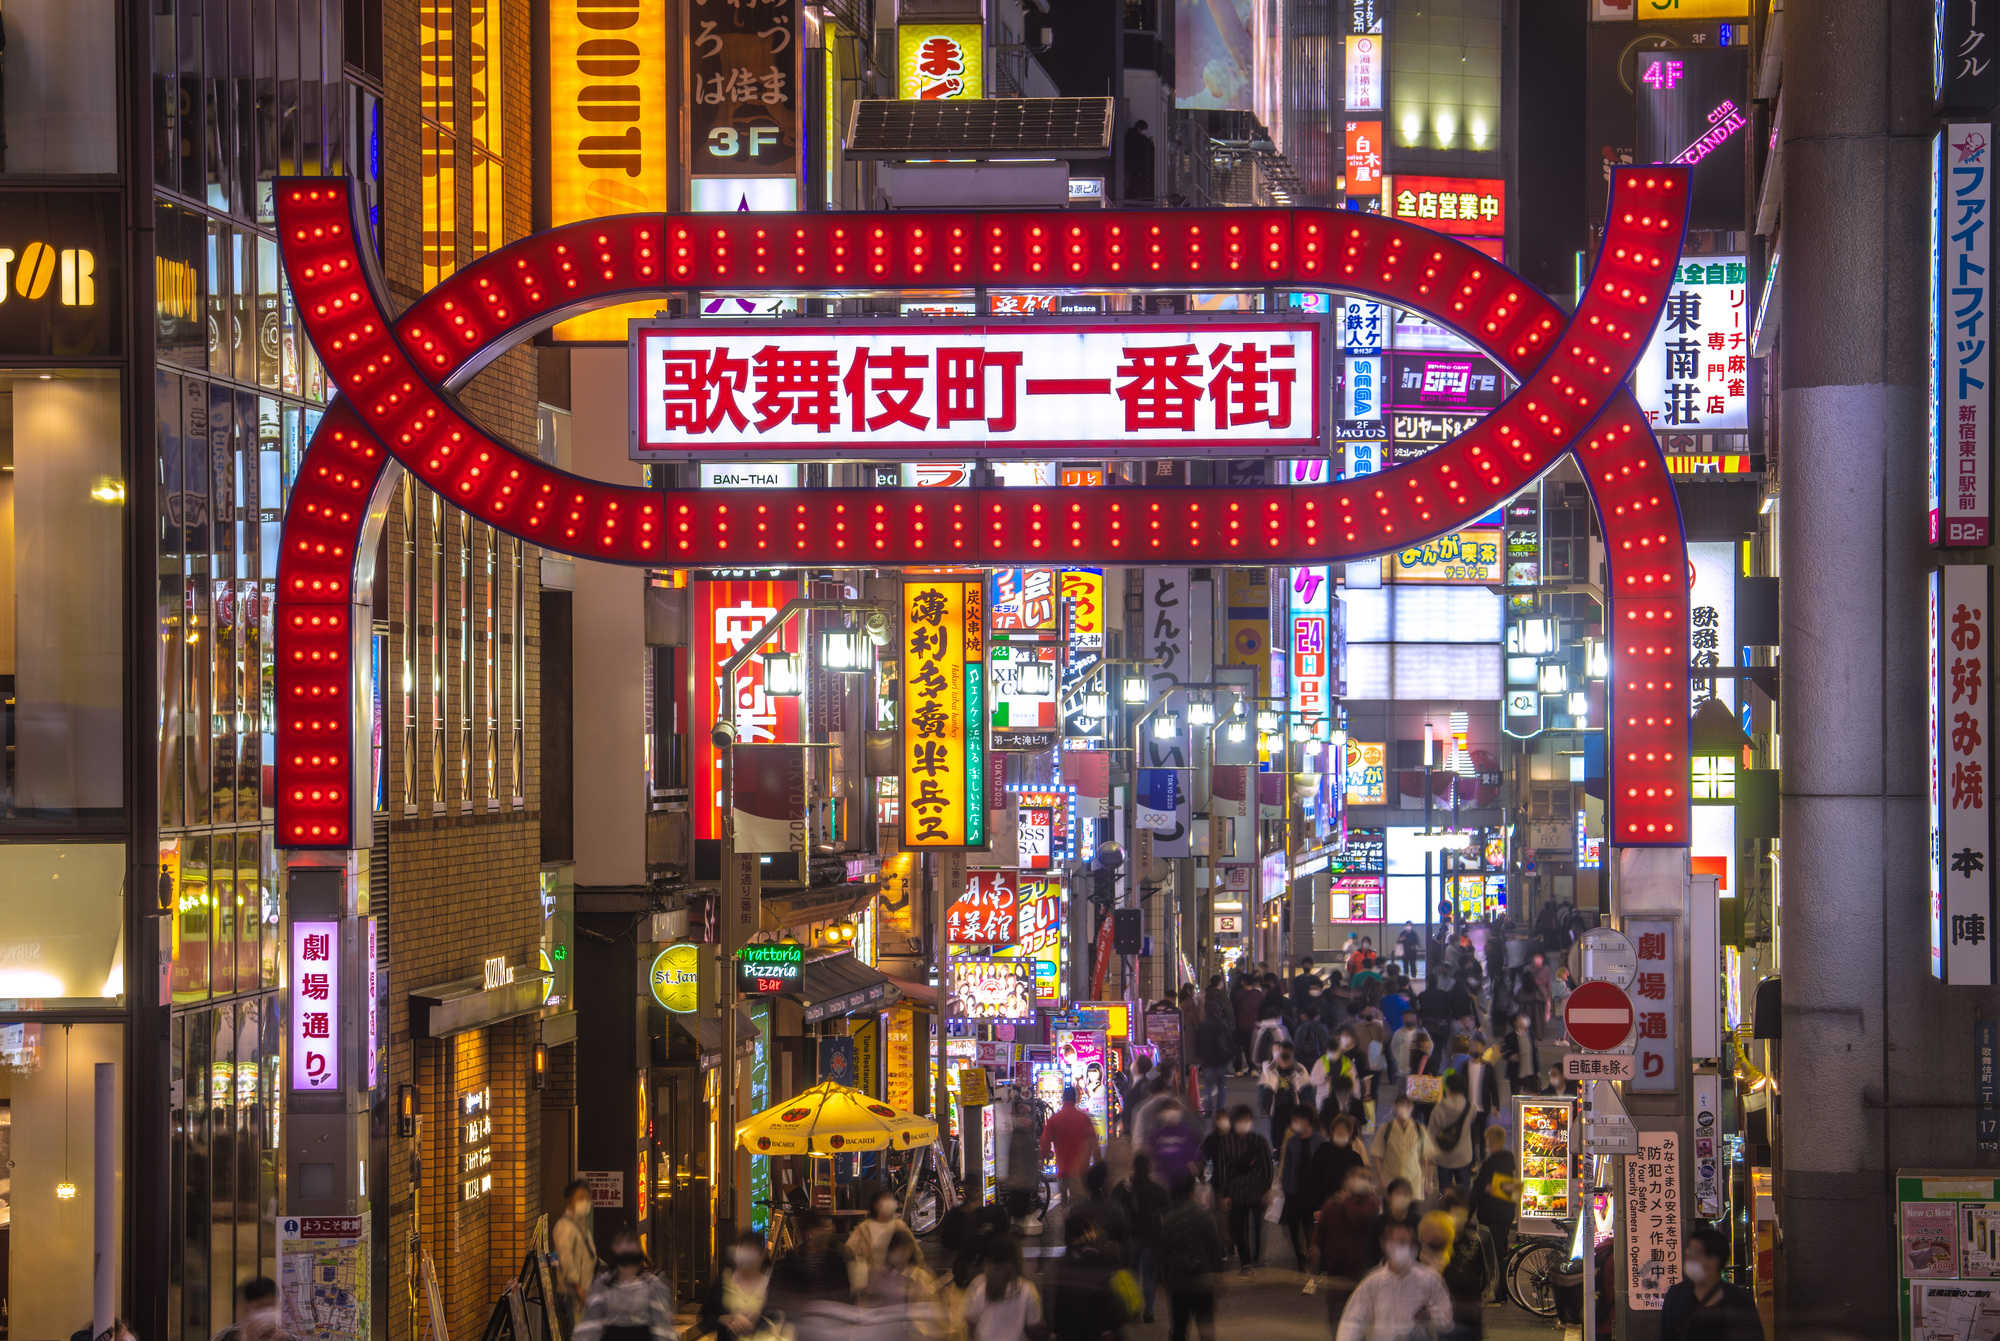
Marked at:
<point>1531,1269</point>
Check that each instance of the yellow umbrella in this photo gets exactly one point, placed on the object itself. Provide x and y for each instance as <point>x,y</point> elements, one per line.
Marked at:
<point>832,1119</point>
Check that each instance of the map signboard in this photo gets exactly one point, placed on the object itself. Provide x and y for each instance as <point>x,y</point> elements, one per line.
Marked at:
<point>323,1276</point>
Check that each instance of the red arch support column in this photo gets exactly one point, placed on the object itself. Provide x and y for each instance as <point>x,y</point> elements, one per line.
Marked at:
<point>393,376</point>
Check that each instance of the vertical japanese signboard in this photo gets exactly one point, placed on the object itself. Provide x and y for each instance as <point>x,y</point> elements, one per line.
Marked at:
<point>316,1006</point>
<point>987,913</point>
<point>1311,646</point>
<point>743,88</point>
<point>1653,1219</point>
<point>1083,650</point>
<point>1961,723</point>
<point>1962,59</point>
<point>726,616</point>
<point>1657,1055</point>
<point>1365,65</point>
<point>1961,494</point>
<point>1168,639</point>
<point>1364,157</point>
<point>943,712</point>
<point>608,140</point>
<point>1694,375</point>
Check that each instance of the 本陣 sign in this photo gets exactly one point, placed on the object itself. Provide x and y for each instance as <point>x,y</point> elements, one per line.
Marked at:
<point>943,712</point>
<point>316,1006</point>
<point>1231,387</point>
<point>1695,371</point>
<point>1465,206</point>
<point>1961,726</point>
<point>1961,492</point>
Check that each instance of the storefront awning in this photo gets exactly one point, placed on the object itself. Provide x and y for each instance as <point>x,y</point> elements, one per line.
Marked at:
<point>921,995</point>
<point>468,1003</point>
<point>839,984</point>
<point>708,1035</point>
<point>794,910</point>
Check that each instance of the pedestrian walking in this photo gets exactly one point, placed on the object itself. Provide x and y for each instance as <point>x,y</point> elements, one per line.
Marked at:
<point>1702,1306</point>
<point>999,1305</point>
<point>1243,1173</point>
<point>1460,1261</point>
<point>1298,1185</point>
<point>628,1302</point>
<point>1521,1055</point>
<point>1174,1143</point>
<point>1399,1202</point>
<point>1072,1137</point>
<point>1496,1196</point>
<point>1338,1155</point>
<point>1450,1130</point>
<point>1402,1147</point>
<point>1401,1300</point>
<point>1407,942</point>
<point>1215,1047</point>
<point>1191,1258</point>
<point>868,1242</point>
<point>903,1282</point>
<point>1084,1299</point>
<point>1247,1003</point>
<point>734,1306</point>
<point>576,1254</point>
<point>1144,1202</point>
<point>1345,1244</point>
<point>1100,1213</point>
<point>1282,1090</point>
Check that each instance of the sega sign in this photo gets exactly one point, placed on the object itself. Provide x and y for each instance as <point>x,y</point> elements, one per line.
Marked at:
<point>1362,388</point>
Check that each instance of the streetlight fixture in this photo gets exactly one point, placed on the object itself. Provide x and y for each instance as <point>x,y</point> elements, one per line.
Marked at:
<point>1166,725</point>
<point>1136,689</point>
<point>843,649</point>
<point>1555,678</point>
<point>1201,713</point>
<point>1238,732</point>
<point>1267,720</point>
<point>781,674</point>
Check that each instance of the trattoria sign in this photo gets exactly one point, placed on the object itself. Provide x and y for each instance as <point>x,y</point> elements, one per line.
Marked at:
<point>943,712</point>
<point>1230,387</point>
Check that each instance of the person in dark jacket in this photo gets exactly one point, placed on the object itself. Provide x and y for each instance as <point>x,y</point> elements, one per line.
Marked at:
<point>1241,1161</point>
<point>1145,1205</point>
<point>1190,1258</point>
<point>1083,1304</point>
<point>1103,1213</point>
<point>1337,1156</point>
<point>1702,1306</point>
<point>1496,1194</point>
<point>1297,1183</point>
<point>1399,1202</point>
<point>1344,1247</point>
<point>1248,1001</point>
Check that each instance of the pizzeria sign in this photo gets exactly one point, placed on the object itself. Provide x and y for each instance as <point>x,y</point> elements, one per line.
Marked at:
<point>1230,386</point>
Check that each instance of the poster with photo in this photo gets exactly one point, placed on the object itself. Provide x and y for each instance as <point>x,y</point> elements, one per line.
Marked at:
<point>1930,1239</point>
<point>1979,1239</point>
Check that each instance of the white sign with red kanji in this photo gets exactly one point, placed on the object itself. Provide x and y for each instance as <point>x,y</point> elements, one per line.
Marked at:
<point>315,1022</point>
<point>1656,1055</point>
<point>1961,724</point>
<point>1695,374</point>
<point>988,913</point>
<point>1226,387</point>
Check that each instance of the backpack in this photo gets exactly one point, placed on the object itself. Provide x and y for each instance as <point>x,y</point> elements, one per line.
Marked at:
<point>1310,1042</point>
<point>1217,1041</point>
<point>1447,1138</point>
<point>1182,1253</point>
<point>1267,1043</point>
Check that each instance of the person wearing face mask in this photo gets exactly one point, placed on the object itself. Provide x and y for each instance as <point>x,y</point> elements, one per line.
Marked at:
<point>1242,1173</point>
<point>1451,1133</point>
<point>1174,1143</point>
<point>1521,1055</point>
<point>1338,1156</point>
<point>1309,1040</point>
<point>1346,1246</point>
<point>1299,1186</point>
<point>1496,1194</point>
<point>1468,1266</point>
<point>1702,1306</point>
<point>1401,1300</point>
<point>868,1242</point>
<point>1399,1202</point>
<point>999,1305</point>
<point>628,1302</point>
<point>1336,1063</point>
<point>1279,1089</point>
<point>734,1307</point>
<point>576,1253</point>
<point>1402,1146</point>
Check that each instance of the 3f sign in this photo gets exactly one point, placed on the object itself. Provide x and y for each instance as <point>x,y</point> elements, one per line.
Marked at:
<point>722,141</point>
<point>39,264</point>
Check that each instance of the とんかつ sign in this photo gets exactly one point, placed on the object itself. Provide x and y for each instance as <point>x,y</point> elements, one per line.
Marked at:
<point>880,389</point>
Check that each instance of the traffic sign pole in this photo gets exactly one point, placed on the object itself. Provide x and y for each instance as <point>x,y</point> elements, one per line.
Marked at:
<point>1598,1016</point>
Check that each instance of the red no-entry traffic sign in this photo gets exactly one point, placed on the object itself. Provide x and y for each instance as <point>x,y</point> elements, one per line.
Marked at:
<point>1598,1016</point>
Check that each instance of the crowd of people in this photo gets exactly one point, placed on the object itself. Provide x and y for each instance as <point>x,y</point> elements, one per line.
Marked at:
<point>1379,1152</point>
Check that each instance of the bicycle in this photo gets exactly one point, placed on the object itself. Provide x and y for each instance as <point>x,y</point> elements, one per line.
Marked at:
<point>783,1234</point>
<point>1530,1273</point>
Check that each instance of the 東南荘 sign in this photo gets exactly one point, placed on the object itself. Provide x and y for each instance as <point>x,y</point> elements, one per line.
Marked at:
<point>1194,387</point>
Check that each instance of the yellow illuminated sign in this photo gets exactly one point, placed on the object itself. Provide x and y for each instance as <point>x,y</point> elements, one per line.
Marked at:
<point>941,60</point>
<point>1693,9</point>
<point>609,151</point>
<point>942,688</point>
<point>676,978</point>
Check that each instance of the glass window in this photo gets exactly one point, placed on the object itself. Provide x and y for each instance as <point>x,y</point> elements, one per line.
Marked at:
<point>62,919</point>
<point>48,1076</point>
<point>62,548</point>
<point>60,116</point>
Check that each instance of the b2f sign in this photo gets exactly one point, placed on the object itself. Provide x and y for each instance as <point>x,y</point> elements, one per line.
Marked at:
<point>875,389</point>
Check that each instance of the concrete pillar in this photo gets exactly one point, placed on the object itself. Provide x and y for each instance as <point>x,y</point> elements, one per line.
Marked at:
<point>1858,1103</point>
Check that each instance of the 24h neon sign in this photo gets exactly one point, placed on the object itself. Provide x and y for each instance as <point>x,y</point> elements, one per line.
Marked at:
<point>396,412</point>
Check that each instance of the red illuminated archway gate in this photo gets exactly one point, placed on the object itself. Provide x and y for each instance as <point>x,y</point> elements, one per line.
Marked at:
<point>395,406</point>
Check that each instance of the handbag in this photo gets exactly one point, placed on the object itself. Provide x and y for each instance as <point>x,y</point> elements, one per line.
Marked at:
<point>1275,1212</point>
<point>1424,1089</point>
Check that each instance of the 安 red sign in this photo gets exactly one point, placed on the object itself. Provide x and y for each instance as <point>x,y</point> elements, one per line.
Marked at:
<point>860,389</point>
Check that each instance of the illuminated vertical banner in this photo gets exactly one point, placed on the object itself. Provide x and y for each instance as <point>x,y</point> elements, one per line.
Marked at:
<point>1365,65</point>
<point>1364,158</point>
<point>941,60</point>
<point>1310,645</point>
<point>726,616</point>
<point>1961,720</point>
<point>609,146</point>
<point>743,88</point>
<point>1961,492</point>
<point>315,1025</point>
<point>438,152</point>
<point>1083,650</point>
<point>943,712</point>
